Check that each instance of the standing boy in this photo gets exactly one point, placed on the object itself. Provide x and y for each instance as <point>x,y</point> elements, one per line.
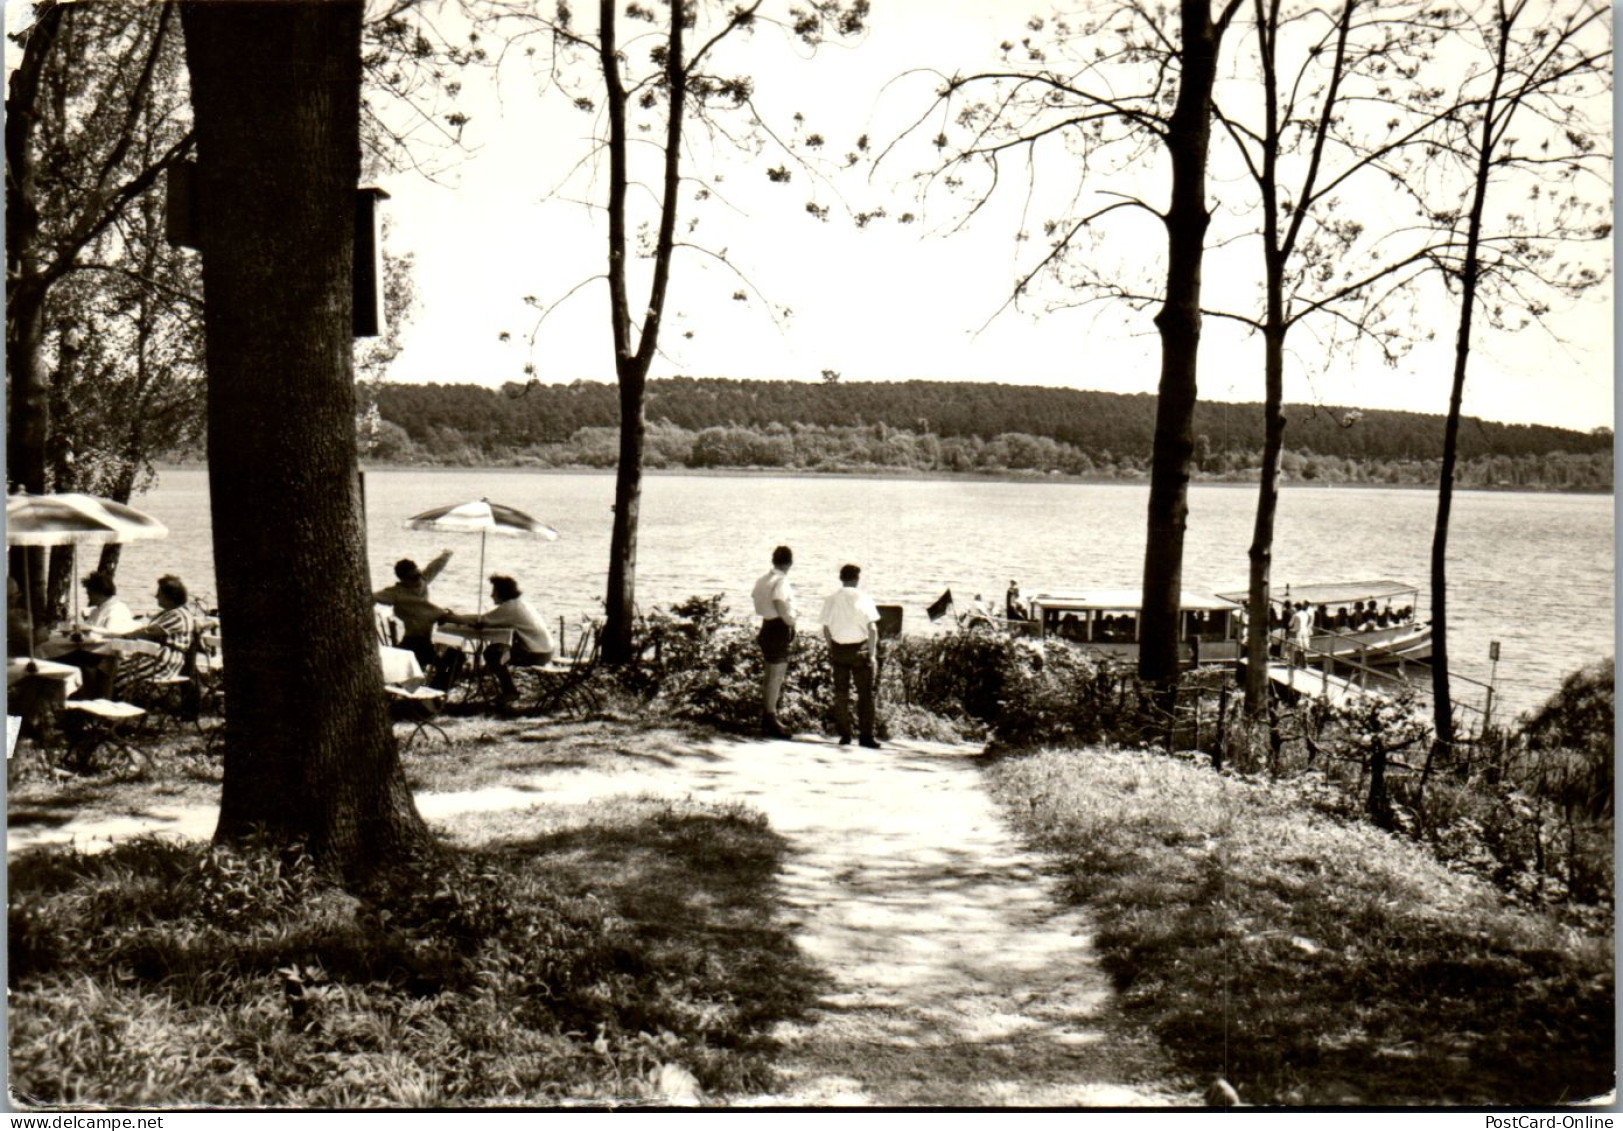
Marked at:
<point>775,604</point>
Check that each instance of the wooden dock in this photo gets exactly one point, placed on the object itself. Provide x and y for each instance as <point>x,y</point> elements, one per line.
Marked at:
<point>1311,683</point>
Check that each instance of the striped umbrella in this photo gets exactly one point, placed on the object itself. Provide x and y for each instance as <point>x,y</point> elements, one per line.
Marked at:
<point>484,518</point>
<point>69,518</point>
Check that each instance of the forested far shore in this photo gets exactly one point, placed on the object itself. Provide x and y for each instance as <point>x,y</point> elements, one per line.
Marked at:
<point>949,427</point>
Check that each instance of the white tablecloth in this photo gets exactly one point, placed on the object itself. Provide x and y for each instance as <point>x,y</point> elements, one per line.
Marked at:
<point>72,678</point>
<point>467,635</point>
<point>399,665</point>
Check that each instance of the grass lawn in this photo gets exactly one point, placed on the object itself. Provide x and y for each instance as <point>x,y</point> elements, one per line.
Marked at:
<point>630,953</point>
<point>1309,960</point>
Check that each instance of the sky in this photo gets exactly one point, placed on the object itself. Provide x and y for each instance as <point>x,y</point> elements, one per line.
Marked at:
<point>503,218</point>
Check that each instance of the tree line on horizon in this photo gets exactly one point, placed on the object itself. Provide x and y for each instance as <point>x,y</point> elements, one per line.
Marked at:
<point>948,426</point>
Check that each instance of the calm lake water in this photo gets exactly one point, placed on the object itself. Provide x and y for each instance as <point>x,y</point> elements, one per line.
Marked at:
<point>1533,571</point>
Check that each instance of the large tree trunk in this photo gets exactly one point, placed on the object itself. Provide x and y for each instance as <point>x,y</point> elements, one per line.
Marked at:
<point>1179,324</point>
<point>309,751</point>
<point>28,392</point>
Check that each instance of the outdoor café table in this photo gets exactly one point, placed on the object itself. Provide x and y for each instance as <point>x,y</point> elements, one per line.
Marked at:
<point>19,668</point>
<point>36,689</point>
<point>399,665</point>
<point>473,639</point>
<point>62,643</point>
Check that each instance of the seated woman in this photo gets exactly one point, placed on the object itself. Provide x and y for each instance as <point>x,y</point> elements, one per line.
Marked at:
<point>107,610</point>
<point>173,629</point>
<point>532,643</point>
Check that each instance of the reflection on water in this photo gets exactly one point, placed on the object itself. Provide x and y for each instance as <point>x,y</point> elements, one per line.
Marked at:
<point>1533,571</point>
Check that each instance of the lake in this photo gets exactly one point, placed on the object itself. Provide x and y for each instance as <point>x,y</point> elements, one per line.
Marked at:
<point>1533,571</point>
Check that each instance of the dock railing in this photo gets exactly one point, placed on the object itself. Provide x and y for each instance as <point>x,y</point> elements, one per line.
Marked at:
<point>1476,704</point>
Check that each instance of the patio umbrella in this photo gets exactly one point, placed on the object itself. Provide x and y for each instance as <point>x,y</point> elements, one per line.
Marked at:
<point>484,518</point>
<point>69,518</point>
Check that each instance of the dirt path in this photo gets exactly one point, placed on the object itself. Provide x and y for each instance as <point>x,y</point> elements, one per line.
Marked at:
<point>957,978</point>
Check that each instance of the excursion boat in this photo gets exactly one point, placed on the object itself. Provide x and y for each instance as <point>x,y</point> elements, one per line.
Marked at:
<point>1108,620</point>
<point>1372,622</point>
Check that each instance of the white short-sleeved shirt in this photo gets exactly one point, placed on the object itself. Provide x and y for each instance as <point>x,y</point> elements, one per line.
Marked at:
<point>773,586</point>
<point>847,613</point>
<point>112,615</point>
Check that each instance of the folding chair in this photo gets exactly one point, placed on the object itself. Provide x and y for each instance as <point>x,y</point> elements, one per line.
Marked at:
<point>90,724</point>
<point>564,687</point>
<point>419,706</point>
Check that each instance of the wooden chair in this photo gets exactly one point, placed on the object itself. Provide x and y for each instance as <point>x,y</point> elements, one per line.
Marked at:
<point>91,724</point>
<point>388,626</point>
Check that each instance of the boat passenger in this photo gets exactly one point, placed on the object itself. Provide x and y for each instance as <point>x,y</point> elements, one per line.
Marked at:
<point>1385,616</point>
<point>1014,608</point>
<point>1301,632</point>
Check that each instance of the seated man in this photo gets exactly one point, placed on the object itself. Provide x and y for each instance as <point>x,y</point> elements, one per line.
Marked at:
<point>532,643</point>
<point>418,615</point>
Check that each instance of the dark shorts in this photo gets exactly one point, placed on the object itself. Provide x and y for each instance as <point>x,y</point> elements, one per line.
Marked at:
<point>775,638</point>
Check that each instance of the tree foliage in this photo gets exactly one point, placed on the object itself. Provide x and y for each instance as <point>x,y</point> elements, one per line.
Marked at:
<point>491,424</point>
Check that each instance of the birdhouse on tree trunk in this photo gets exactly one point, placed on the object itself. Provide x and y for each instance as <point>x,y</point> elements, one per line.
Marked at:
<point>370,317</point>
<point>183,225</point>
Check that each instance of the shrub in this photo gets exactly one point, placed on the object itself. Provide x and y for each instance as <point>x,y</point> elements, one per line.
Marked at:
<point>1575,733</point>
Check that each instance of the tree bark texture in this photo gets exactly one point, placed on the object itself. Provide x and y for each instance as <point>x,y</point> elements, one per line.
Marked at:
<point>1188,134</point>
<point>28,388</point>
<point>309,749</point>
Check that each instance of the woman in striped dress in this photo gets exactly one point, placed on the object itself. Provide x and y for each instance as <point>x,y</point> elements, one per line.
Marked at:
<point>174,629</point>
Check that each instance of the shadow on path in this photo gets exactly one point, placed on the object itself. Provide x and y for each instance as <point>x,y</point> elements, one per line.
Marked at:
<point>956,977</point>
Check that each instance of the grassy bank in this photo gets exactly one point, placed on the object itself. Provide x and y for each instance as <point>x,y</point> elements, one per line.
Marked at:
<point>1311,960</point>
<point>547,955</point>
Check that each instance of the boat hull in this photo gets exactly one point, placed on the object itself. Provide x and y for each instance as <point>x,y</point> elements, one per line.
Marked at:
<point>1379,647</point>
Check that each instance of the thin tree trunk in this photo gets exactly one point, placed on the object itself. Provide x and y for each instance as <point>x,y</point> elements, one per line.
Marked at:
<point>1262,534</point>
<point>1178,321</point>
<point>1442,696</point>
<point>309,750</point>
<point>632,366</point>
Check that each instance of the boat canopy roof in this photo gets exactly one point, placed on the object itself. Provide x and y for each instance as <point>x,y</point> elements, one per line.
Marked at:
<point>1118,600</point>
<point>1334,592</point>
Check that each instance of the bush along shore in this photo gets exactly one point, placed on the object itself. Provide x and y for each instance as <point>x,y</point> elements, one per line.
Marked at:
<point>1271,908</point>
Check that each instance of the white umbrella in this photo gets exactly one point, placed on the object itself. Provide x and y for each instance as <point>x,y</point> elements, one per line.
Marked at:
<point>69,518</point>
<point>484,518</point>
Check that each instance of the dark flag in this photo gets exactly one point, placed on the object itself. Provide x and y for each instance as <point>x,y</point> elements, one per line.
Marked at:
<point>939,609</point>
